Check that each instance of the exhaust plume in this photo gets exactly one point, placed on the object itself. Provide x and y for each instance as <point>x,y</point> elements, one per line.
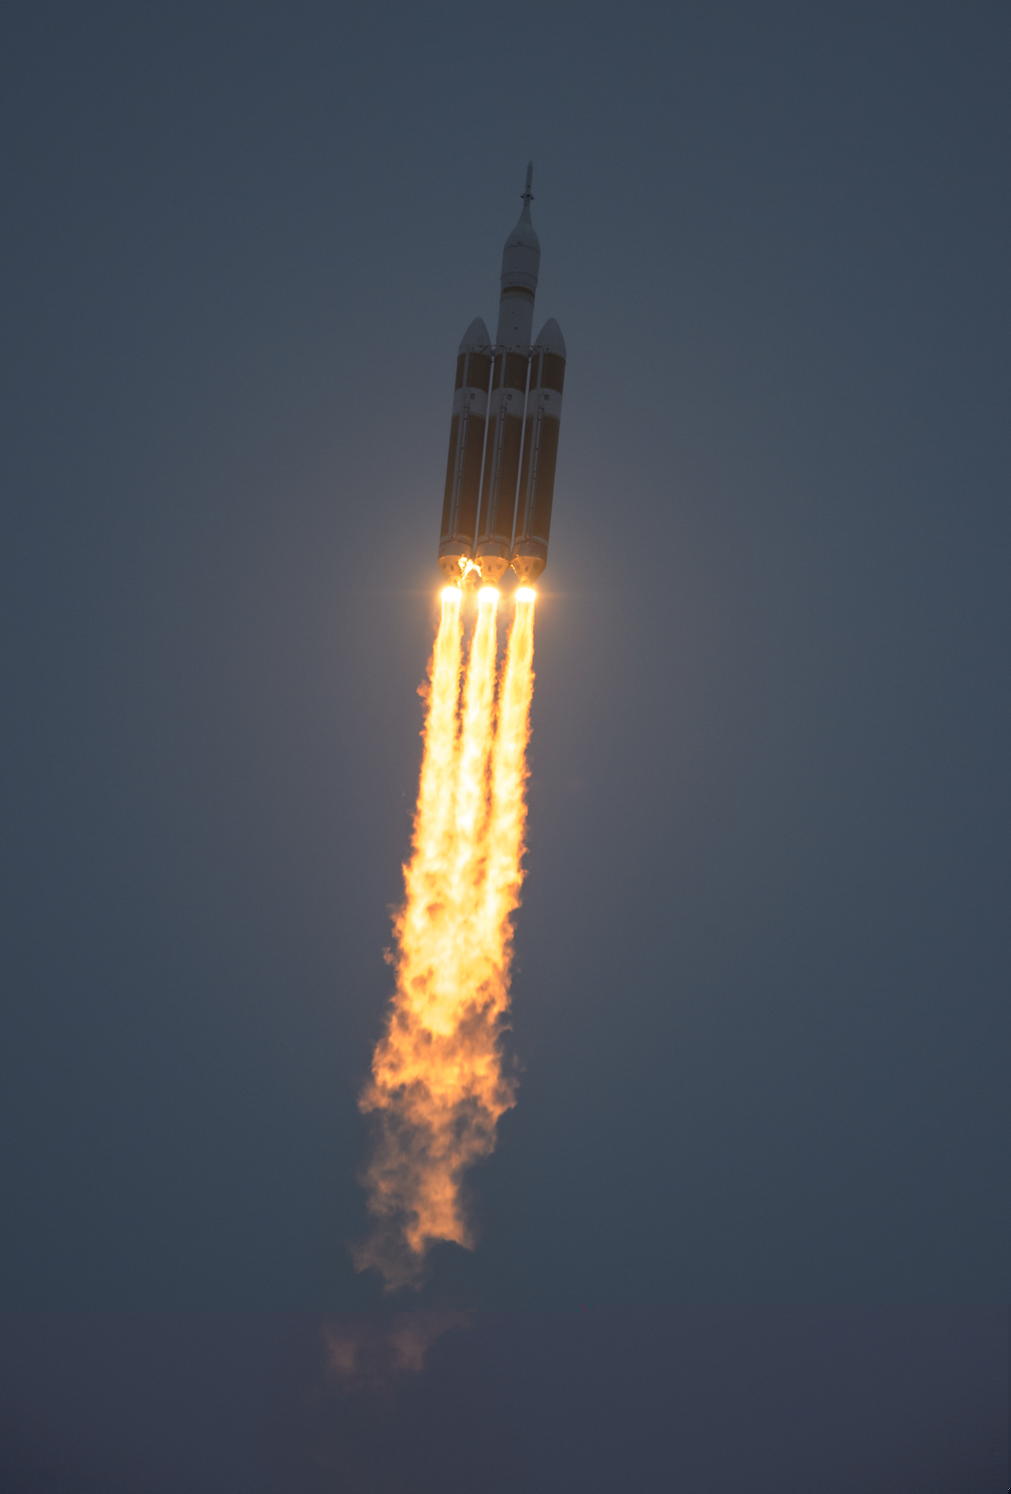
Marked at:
<point>437,1087</point>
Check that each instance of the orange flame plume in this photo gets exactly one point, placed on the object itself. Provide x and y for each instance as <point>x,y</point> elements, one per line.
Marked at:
<point>437,1086</point>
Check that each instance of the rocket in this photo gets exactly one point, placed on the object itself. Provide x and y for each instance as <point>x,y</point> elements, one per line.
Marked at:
<point>503,438</point>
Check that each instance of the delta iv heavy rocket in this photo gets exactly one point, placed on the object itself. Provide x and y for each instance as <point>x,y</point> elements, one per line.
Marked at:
<point>503,440</point>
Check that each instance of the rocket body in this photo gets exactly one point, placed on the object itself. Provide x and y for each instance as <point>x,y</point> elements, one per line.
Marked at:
<point>504,433</point>
<point>540,452</point>
<point>466,449</point>
<point>502,462</point>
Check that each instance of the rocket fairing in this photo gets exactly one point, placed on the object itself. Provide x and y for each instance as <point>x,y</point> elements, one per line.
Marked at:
<point>503,439</point>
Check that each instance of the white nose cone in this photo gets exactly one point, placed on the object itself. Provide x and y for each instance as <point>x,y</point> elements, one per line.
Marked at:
<point>476,339</point>
<point>550,338</point>
<point>521,256</point>
<point>521,260</point>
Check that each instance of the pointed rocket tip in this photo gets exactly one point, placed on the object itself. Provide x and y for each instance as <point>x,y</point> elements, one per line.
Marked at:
<point>527,194</point>
<point>527,191</point>
<point>550,338</point>
<point>475,337</point>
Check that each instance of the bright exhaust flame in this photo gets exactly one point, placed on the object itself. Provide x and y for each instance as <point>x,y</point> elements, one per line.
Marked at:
<point>438,1088</point>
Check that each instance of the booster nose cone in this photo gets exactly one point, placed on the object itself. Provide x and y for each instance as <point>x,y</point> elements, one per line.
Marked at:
<point>550,338</point>
<point>476,339</point>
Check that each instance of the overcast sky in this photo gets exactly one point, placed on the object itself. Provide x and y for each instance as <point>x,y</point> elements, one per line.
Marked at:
<point>760,1005</point>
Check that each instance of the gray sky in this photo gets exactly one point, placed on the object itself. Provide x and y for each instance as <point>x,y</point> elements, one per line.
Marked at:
<point>761,995</point>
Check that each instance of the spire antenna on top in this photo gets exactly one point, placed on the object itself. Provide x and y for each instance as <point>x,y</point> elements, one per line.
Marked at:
<point>527,193</point>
